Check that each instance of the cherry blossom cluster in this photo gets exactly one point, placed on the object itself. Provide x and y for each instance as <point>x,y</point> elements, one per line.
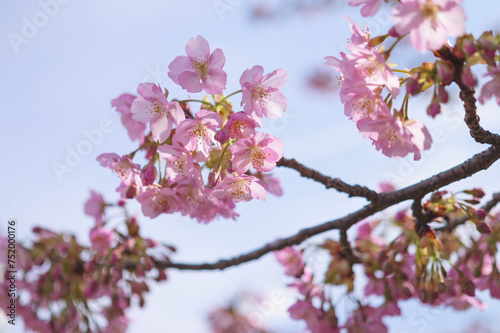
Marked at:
<point>365,72</point>
<point>429,264</point>
<point>207,161</point>
<point>69,287</point>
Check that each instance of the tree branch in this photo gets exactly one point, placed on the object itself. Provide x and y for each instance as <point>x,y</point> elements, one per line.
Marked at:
<point>329,182</point>
<point>478,162</point>
<point>467,96</point>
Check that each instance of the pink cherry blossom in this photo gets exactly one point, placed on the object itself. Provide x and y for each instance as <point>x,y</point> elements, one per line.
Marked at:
<point>364,65</point>
<point>364,320</point>
<point>429,22</point>
<point>122,166</point>
<point>270,183</point>
<point>197,135</point>
<point>153,107</point>
<point>261,150</point>
<point>240,125</point>
<point>131,187</point>
<point>370,7</point>
<point>180,164</point>
<point>157,201</point>
<point>396,138</point>
<point>240,188</point>
<point>313,317</point>
<point>492,87</point>
<point>291,259</point>
<point>101,239</point>
<point>95,207</point>
<point>360,102</point>
<point>134,128</point>
<point>261,93</point>
<point>199,65</point>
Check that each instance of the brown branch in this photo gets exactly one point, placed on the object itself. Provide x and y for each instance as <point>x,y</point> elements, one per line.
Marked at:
<point>329,182</point>
<point>347,249</point>
<point>478,162</point>
<point>472,119</point>
<point>467,96</point>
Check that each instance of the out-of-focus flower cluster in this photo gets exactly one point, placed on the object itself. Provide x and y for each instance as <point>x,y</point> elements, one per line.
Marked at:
<point>65,286</point>
<point>436,265</point>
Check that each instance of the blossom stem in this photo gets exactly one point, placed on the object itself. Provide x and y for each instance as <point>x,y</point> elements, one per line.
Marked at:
<point>196,100</point>
<point>232,94</point>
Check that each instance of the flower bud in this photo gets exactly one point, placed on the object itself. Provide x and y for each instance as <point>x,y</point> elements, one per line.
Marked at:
<point>467,78</point>
<point>214,177</point>
<point>484,228</point>
<point>479,214</point>
<point>442,95</point>
<point>413,87</point>
<point>148,175</point>
<point>469,288</point>
<point>468,45</point>
<point>221,136</point>
<point>476,192</point>
<point>151,243</point>
<point>151,152</point>
<point>162,276</point>
<point>393,32</point>
<point>487,47</point>
<point>122,202</point>
<point>434,108</point>
<point>444,71</point>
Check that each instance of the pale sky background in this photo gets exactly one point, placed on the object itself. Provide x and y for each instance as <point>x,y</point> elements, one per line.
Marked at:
<point>62,80</point>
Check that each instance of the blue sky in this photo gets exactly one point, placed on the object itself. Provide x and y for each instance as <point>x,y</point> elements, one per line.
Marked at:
<point>59,82</point>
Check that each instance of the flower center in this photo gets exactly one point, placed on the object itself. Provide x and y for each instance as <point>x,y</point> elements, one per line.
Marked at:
<point>429,10</point>
<point>201,66</point>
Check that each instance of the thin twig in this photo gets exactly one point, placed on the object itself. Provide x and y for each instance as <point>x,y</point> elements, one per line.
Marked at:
<point>329,182</point>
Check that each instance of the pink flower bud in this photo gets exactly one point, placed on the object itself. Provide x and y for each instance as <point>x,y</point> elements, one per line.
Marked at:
<point>214,178</point>
<point>151,152</point>
<point>479,214</point>
<point>444,71</point>
<point>484,228</point>
<point>467,78</point>
<point>151,242</point>
<point>468,46</point>
<point>162,276</point>
<point>131,191</point>
<point>442,95</point>
<point>434,109</point>
<point>469,288</point>
<point>393,32</point>
<point>148,175</point>
<point>122,202</point>
<point>413,86</point>
<point>221,136</point>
